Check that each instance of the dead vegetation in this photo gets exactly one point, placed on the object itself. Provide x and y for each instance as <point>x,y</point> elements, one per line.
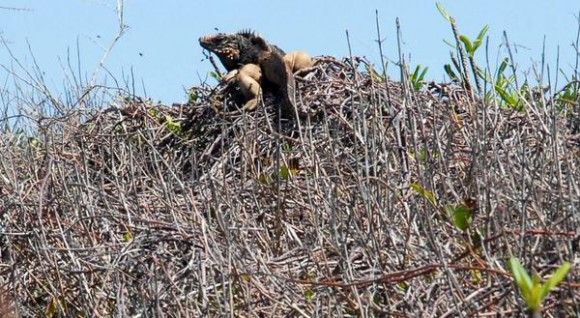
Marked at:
<point>146,210</point>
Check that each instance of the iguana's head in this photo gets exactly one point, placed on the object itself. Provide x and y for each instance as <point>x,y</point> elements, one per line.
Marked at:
<point>234,49</point>
<point>225,46</point>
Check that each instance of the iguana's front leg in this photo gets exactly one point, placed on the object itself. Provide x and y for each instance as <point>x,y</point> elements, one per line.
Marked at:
<point>248,79</point>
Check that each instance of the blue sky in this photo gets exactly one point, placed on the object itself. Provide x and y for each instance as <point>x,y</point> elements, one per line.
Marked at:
<point>161,49</point>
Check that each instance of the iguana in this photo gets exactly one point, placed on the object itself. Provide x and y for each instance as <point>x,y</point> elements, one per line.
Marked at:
<point>250,60</point>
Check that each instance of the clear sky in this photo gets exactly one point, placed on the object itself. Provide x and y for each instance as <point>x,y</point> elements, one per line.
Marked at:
<point>161,46</point>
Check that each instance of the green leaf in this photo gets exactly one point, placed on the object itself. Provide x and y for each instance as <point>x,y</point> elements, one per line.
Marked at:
<point>416,72</point>
<point>284,172</point>
<point>479,39</point>
<point>424,193</point>
<point>172,126</point>
<point>192,95</point>
<point>309,294</point>
<point>265,179</point>
<point>450,73</point>
<point>455,63</point>
<point>403,286</point>
<point>483,74</point>
<point>422,156</point>
<point>245,277</point>
<point>215,75</point>
<point>533,299</point>
<point>443,12</point>
<point>507,98</point>
<point>51,309</point>
<point>460,215</point>
<point>422,76</point>
<point>34,142</point>
<point>286,147</point>
<point>476,277</point>
<point>523,280</point>
<point>555,279</point>
<point>375,76</point>
<point>503,65</point>
<point>153,113</point>
<point>467,43</point>
<point>417,77</point>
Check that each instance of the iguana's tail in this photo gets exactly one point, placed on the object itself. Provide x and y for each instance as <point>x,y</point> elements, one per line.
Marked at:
<point>288,104</point>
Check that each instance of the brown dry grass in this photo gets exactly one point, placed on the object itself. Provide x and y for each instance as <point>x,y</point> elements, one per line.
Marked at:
<point>129,215</point>
<point>7,308</point>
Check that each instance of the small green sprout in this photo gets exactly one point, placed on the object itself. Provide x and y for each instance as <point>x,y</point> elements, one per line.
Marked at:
<point>460,214</point>
<point>172,126</point>
<point>375,76</point>
<point>471,47</point>
<point>531,289</point>
<point>424,193</point>
<point>417,78</point>
<point>216,76</point>
<point>192,95</point>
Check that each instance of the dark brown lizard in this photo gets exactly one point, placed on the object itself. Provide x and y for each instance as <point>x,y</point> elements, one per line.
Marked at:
<point>241,52</point>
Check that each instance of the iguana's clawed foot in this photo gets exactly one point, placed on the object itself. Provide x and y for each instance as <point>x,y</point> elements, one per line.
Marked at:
<point>230,76</point>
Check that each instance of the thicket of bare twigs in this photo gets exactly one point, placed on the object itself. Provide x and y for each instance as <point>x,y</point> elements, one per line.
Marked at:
<point>142,210</point>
